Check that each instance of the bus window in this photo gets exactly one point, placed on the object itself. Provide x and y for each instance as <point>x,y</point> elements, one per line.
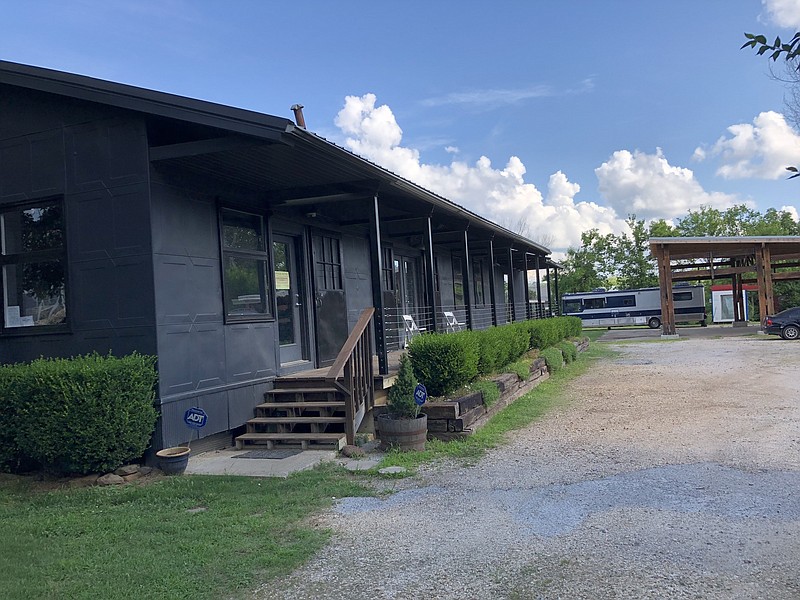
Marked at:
<point>620,301</point>
<point>681,296</point>
<point>590,303</point>
<point>572,306</point>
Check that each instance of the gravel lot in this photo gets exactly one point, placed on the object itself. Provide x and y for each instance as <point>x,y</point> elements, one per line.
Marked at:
<point>671,473</point>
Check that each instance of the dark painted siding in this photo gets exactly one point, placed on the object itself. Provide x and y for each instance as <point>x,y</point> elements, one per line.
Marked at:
<point>96,159</point>
<point>357,282</point>
<point>224,369</point>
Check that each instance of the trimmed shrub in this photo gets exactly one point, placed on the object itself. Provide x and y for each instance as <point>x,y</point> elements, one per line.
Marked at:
<point>553,358</point>
<point>491,352</point>
<point>400,398</point>
<point>10,455</point>
<point>444,363</point>
<point>498,346</point>
<point>548,332</point>
<point>85,414</point>
<point>569,351</point>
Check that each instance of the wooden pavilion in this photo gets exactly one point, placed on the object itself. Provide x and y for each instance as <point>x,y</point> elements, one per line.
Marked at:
<point>753,259</point>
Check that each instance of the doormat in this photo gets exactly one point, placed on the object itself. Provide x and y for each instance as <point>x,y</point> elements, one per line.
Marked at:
<point>278,453</point>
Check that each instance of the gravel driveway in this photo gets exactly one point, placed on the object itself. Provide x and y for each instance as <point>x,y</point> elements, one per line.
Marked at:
<point>671,473</point>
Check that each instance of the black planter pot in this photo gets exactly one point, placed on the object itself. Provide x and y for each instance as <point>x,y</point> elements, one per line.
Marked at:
<point>173,461</point>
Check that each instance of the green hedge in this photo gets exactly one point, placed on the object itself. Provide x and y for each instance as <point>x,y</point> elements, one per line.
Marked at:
<point>444,363</point>
<point>554,359</point>
<point>80,415</point>
<point>548,332</point>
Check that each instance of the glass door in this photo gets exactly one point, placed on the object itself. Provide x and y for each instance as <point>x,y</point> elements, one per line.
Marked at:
<point>290,299</point>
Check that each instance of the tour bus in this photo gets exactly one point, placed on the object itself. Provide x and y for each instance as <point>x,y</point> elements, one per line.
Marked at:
<point>634,307</point>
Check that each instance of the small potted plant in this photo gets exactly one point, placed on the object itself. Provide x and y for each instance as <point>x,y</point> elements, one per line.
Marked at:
<point>403,426</point>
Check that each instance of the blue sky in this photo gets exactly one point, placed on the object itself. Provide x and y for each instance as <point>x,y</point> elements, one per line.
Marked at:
<point>562,114</point>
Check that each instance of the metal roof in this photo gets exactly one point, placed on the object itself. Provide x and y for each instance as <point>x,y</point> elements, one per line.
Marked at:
<point>727,247</point>
<point>245,166</point>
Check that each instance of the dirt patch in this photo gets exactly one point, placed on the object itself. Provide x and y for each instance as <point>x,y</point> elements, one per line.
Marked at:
<point>671,473</point>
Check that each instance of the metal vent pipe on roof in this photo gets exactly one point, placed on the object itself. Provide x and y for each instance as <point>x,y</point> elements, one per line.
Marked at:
<point>298,115</point>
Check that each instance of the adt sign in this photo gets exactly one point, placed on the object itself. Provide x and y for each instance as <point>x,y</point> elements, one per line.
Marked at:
<point>420,394</point>
<point>195,418</point>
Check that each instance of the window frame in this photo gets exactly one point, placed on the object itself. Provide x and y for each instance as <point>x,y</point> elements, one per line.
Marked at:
<point>264,256</point>
<point>479,292</point>
<point>457,265</point>
<point>19,258</point>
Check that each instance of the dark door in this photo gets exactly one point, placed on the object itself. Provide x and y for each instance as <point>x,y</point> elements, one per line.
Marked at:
<point>290,296</point>
<point>330,308</point>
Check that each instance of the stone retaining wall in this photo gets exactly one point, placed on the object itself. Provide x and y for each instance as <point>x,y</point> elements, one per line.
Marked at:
<point>465,415</point>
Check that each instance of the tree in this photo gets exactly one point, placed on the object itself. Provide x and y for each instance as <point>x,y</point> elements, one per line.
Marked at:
<point>624,261</point>
<point>636,267</point>
<point>610,261</point>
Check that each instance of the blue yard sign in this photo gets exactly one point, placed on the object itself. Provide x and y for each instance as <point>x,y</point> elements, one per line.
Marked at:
<point>195,418</point>
<point>420,394</point>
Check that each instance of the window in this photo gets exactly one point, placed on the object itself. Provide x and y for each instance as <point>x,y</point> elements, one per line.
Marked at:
<point>245,267</point>
<point>681,296</point>
<point>477,281</point>
<point>594,303</point>
<point>327,262</point>
<point>34,265</point>
<point>620,301</point>
<point>458,282</point>
<point>572,306</point>
<point>387,274</point>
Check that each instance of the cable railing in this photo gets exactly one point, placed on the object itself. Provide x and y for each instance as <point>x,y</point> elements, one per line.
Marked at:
<point>402,324</point>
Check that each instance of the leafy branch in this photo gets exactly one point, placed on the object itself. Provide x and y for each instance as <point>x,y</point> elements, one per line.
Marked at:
<point>791,50</point>
<point>778,48</point>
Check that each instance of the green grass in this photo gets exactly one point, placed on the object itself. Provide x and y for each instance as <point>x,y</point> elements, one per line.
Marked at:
<point>202,537</point>
<point>491,393</point>
<point>145,541</point>
<point>530,407</point>
<point>521,367</point>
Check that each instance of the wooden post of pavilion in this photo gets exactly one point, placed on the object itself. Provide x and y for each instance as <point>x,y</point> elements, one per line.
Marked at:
<point>665,283</point>
<point>766,301</point>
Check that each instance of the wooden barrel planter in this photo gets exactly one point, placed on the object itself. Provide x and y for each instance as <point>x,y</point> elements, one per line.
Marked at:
<point>404,434</point>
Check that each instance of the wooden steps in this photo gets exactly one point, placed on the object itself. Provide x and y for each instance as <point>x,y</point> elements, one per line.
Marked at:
<point>333,441</point>
<point>308,412</point>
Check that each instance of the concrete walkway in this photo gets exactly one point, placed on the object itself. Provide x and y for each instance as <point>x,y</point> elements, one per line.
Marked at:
<point>225,462</point>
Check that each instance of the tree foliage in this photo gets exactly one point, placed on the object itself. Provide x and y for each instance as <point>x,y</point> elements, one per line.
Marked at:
<point>776,49</point>
<point>610,261</point>
<point>624,261</point>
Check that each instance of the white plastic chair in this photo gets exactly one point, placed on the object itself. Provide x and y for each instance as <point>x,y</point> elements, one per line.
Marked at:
<point>451,322</point>
<point>411,329</point>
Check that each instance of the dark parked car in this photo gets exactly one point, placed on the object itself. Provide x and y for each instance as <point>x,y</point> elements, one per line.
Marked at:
<point>785,324</point>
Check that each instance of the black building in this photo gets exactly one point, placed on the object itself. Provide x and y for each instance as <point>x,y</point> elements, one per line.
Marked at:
<point>235,246</point>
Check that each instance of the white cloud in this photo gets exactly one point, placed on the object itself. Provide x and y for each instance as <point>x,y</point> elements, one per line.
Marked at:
<point>500,194</point>
<point>451,149</point>
<point>649,187</point>
<point>783,13</point>
<point>491,98</point>
<point>762,150</point>
<point>792,210</point>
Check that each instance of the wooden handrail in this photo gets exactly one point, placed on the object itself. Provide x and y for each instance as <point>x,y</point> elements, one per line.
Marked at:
<point>337,368</point>
<point>352,373</point>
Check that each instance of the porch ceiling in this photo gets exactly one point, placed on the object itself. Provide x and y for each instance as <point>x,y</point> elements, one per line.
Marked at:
<point>303,170</point>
